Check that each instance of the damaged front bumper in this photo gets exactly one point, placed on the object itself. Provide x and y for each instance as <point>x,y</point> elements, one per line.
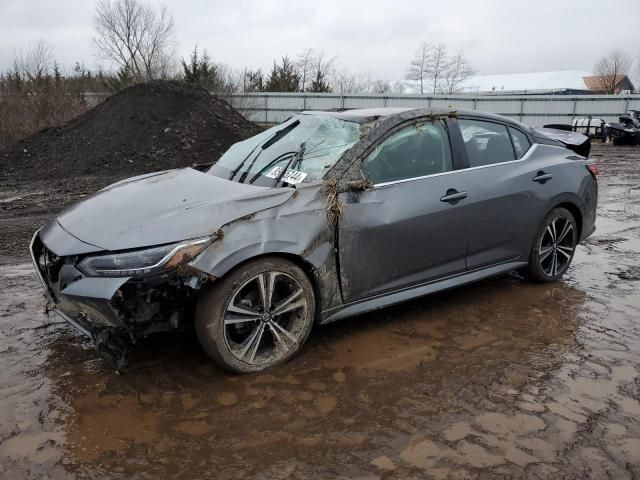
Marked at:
<point>86,302</point>
<point>113,311</point>
<point>81,324</point>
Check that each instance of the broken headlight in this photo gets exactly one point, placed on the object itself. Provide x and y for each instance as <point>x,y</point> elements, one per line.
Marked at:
<point>142,262</point>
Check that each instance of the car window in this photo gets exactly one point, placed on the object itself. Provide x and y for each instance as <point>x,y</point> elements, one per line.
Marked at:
<point>486,142</point>
<point>415,151</point>
<point>305,146</point>
<point>520,142</point>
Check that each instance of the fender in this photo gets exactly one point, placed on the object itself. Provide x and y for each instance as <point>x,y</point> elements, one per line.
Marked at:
<point>298,227</point>
<point>564,198</point>
<point>220,259</point>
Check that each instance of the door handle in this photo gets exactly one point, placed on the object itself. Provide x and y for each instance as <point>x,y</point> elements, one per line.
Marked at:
<point>542,177</point>
<point>453,196</point>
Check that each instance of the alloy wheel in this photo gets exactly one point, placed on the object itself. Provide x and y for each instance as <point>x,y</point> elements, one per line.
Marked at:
<point>264,319</point>
<point>557,246</point>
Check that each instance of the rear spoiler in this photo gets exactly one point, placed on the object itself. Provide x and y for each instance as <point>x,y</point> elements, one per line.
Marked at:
<point>580,144</point>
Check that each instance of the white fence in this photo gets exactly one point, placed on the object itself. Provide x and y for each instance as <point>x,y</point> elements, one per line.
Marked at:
<point>534,110</point>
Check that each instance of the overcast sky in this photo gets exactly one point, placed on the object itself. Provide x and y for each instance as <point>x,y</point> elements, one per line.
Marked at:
<point>377,36</point>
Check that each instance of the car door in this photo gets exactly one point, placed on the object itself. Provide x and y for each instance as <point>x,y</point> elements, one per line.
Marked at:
<point>407,228</point>
<point>503,199</point>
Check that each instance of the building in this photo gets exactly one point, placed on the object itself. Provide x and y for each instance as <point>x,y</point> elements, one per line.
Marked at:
<point>563,82</point>
<point>560,82</point>
<point>598,83</point>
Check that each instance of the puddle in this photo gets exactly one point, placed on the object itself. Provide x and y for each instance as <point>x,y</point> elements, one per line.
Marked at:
<point>499,379</point>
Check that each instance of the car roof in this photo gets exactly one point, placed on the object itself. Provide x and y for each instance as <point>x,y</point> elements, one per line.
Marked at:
<point>364,115</point>
<point>359,115</point>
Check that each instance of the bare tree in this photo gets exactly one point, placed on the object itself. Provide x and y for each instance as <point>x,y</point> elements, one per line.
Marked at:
<point>611,68</point>
<point>304,64</point>
<point>417,69</point>
<point>344,82</point>
<point>134,36</point>
<point>35,94</point>
<point>459,69</point>
<point>437,65</point>
<point>398,88</point>
<point>380,87</point>
<point>315,69</point>
<point>323,67</point>
<point>34,63</point>
<point>431,64</point>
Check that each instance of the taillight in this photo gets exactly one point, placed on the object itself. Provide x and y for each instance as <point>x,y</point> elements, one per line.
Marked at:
<point>593,169</point>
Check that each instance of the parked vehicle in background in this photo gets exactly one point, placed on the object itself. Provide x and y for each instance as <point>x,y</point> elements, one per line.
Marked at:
<point>591,127</point>
<point>328,215</point>
<point>627,130</point>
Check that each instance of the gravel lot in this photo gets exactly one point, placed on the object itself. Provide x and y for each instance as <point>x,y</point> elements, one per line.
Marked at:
<point>501,379</point>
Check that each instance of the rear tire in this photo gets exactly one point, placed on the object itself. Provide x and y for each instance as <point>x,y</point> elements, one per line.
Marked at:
<point>553,247</point>
<point>238,332</point>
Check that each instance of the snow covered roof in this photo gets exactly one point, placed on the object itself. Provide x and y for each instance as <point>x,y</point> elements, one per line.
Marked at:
<point>535,82</point>
<point>520,82</point>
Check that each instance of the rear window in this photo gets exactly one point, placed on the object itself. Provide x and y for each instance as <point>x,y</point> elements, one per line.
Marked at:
<point>520,142</point>
<point>486,143</point>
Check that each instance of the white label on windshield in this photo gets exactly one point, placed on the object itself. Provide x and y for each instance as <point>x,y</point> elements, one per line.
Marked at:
<point>274,172</point>
<point>292,176</point>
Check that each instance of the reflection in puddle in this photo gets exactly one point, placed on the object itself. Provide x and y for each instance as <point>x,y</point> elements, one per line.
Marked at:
<point>177,401</point>
<point>104,424</point>
<point>379,348</point>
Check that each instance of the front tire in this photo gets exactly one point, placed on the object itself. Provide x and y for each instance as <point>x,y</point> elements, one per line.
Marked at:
<point>257,316</point>
<point>553,247</point>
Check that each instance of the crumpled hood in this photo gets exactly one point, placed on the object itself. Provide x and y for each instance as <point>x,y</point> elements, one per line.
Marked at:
<point>164,207</point>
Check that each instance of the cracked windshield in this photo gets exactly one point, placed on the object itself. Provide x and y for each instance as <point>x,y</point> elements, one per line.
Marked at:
<point>302,149</point>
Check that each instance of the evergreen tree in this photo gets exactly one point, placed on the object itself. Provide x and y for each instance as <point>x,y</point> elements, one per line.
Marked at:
<point>284,77</point>
<point>253,81</point>
<point>320,84</point>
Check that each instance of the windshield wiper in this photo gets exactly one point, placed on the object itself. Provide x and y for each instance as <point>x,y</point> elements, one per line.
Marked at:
<point>270,141</point>
<point>293,161</point>
<point>280,133</point>
<point>278,159</point>
<point>241,164</point>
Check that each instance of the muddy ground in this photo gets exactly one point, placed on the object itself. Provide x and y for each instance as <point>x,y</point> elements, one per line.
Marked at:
<point>501,379</point>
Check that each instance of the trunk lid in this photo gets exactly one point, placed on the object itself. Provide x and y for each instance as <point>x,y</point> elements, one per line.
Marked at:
<point>577,142</point>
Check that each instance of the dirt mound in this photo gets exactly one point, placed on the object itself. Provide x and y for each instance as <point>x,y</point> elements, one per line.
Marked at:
<point>147,127</point>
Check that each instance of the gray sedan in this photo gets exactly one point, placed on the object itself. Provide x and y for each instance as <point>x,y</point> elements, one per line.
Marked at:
<point>329,214</point>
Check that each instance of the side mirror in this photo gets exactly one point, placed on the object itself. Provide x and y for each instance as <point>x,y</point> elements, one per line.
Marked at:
<point>358,186</point>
